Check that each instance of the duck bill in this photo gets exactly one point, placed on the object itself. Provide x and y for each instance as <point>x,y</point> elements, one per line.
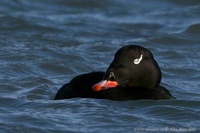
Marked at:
<point>104,84</point>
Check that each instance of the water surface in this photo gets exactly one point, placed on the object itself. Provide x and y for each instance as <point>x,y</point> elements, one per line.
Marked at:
<point>46,43</point>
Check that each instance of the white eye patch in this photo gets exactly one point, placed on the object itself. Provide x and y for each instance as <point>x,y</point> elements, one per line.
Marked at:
<point>138,60</point>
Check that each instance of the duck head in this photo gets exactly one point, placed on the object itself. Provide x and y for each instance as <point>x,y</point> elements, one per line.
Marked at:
<point>133,66</point>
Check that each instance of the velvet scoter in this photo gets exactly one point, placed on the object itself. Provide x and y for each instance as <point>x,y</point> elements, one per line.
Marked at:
<point>133,74</point>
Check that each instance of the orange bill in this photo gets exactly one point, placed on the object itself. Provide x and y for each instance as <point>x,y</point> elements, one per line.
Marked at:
<point>104,84</point>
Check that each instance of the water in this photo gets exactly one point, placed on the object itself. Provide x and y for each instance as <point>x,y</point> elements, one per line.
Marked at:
<point>43,44</point>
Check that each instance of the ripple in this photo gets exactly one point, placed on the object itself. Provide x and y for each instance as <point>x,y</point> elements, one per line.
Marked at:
<point>193,29</point>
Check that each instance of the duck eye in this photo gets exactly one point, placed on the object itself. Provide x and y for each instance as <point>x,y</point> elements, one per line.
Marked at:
<point>138,60</point>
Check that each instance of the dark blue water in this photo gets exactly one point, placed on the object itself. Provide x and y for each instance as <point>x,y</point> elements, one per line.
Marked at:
<point>43,44</point>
